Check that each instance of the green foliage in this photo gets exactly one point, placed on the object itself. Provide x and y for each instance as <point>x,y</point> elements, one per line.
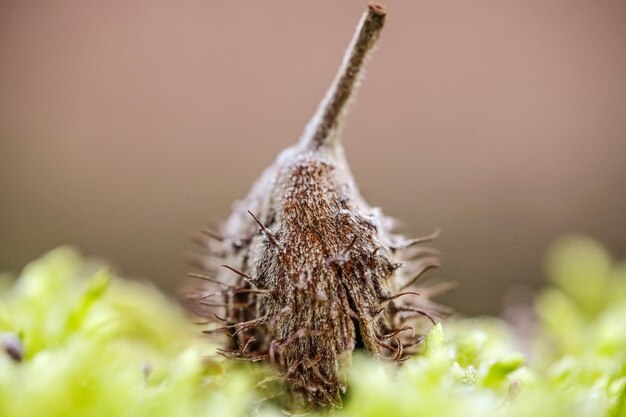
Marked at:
<point>79,341</point>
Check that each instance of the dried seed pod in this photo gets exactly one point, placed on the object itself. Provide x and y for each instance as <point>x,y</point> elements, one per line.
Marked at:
<point>306,271</point>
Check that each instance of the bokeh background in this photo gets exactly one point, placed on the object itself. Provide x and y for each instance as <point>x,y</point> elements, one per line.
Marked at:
<point>126,124</point>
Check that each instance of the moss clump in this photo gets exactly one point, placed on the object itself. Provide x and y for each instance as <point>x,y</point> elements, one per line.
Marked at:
<point>78,341</point>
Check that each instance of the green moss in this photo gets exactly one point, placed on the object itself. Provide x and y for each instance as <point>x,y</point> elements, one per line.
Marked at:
<point>93,344</point>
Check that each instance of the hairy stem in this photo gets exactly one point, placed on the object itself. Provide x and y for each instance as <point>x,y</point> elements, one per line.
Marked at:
<point>324,127</point>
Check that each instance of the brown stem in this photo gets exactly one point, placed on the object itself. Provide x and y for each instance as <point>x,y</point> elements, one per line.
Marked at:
<point>324,127</point>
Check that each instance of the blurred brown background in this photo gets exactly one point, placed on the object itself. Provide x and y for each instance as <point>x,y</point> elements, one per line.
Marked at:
<point>124,125</point>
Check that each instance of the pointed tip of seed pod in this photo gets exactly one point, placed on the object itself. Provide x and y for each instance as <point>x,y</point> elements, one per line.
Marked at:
<point>377,8</point>
<point>325,127</point>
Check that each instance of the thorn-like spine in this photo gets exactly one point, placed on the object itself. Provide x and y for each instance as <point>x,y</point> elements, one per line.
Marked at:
<point>212,234</point>
<point>247,278</point>
<point>425,265</point>
<point>267,232</point>
<point>208,278</point>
